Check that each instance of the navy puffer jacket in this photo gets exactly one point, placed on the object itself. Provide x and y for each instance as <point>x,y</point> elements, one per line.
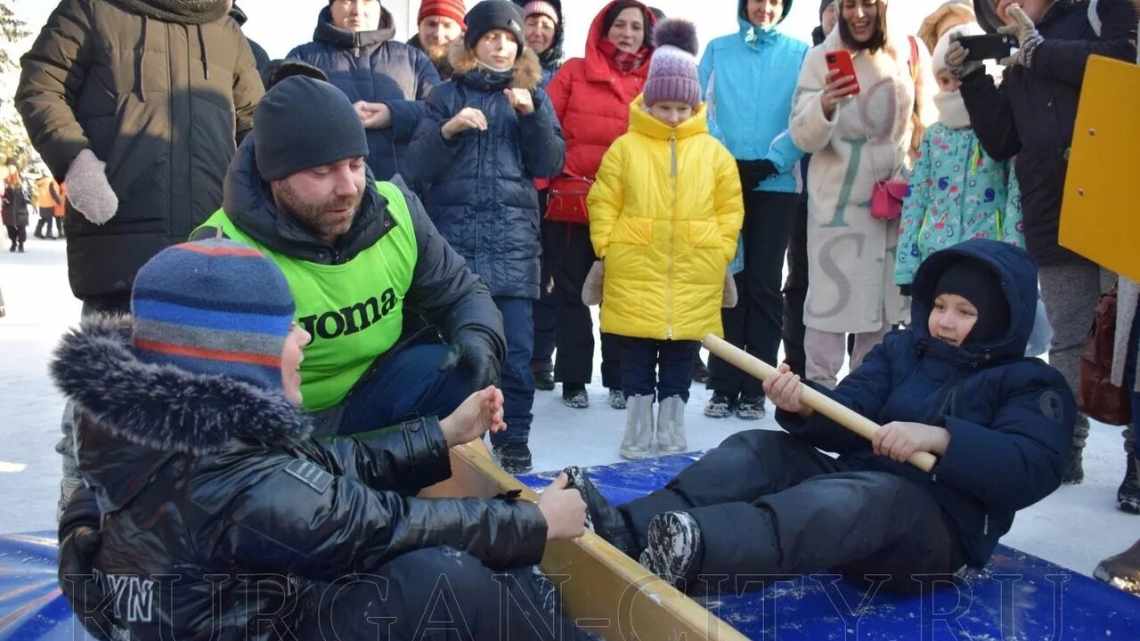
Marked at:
<point>371,66</point>
<point>1010,418</point>
<point>478,187</point>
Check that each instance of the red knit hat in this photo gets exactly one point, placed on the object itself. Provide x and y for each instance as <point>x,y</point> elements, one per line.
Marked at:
<point>454,9</point>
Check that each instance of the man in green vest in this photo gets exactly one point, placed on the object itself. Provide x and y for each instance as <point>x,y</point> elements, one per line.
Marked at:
<point>359,255</point>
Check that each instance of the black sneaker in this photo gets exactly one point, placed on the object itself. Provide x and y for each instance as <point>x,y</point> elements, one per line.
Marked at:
<point>514,458</point>
<point>719,406</point>
<point>601,517</point>
<point>1128,495</point>
<point>575,398</point>
<point>750,408</point>
<point>674,551</point>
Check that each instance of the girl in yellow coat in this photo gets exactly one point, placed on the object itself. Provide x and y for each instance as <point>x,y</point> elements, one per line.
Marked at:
<point>665,213</point>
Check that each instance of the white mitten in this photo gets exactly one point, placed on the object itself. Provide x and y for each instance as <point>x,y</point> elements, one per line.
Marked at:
<point>89,190</point>
<point>592,288</point>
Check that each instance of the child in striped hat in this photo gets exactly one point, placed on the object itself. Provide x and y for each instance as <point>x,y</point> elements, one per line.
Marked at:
<point>197,460</point>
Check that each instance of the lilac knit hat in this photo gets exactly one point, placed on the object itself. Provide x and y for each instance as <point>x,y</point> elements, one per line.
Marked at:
<point>673,70</point>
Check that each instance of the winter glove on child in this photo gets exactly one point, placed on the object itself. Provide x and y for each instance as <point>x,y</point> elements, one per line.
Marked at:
<point>89,190</point>
<point>731,295</point>
<point>956,59</point>
<point>78,544</point>
<point>475,350</point>
<point>592,288</point>
<point>754,172</point>
<point>1028,38</point>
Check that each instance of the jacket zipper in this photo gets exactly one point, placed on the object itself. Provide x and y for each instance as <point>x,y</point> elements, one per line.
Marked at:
<point>672,233</point>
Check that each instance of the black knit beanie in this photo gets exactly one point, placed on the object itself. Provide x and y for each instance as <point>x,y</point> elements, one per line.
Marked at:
<point>490,15</point>
<point>303,122</point>
<point>977,283</point>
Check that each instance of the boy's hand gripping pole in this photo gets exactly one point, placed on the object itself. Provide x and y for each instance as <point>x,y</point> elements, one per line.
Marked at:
<point>837,412</point>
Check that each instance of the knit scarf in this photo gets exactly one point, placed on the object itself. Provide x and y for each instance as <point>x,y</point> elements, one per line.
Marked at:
<point>487,78</point>
<point>177,11</point>
<point>622,61</point>
<point>952,109</point>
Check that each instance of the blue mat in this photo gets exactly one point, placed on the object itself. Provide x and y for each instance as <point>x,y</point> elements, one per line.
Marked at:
<point>1018,597</point>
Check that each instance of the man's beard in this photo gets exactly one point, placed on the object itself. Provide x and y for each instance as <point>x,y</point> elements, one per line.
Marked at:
<point>437,53</point>
<point>312,216</point>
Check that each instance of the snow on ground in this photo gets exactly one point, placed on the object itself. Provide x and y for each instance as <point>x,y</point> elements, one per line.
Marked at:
<point>1075,527</point>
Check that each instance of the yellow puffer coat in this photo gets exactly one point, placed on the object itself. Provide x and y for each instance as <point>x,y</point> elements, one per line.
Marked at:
<point>665,213</point>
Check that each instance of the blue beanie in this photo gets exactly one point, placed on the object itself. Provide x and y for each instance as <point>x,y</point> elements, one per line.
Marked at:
<point>303,122</point>
<point>213,307</point>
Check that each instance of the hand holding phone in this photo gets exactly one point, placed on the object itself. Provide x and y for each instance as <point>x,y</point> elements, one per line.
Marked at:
<point>842,83</point>
<point>989,47</point>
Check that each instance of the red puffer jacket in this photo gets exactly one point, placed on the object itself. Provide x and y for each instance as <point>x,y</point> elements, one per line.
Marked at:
<point>592,101</point>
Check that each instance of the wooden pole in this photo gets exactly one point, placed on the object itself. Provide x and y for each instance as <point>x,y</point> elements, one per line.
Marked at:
<point>837,412</point>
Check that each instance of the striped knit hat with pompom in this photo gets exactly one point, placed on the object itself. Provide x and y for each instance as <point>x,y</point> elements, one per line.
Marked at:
<point>673,70</point>
<point>213,307</point>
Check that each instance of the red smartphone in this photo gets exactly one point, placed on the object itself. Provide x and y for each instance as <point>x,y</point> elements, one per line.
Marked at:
<point>841,61</point>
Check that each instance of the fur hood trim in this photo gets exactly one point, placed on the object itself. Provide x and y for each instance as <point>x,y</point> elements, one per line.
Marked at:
<point>527,69</point>
<point>163,407</point>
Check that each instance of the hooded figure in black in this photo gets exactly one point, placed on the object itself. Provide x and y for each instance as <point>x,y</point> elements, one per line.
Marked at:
<point>369,66</point>
<point>768,502</point>
<point>212,514</point>
<point>1030,117</point>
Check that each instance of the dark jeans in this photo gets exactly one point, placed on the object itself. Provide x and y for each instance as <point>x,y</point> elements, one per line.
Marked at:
<point>769,503</point>
<point>1131,431</point>
<point>518,381</point>
<point>756,323</point>
<point>404,384</point>
<point>664,367</point>
<point>435,594</point>
<point>572,256</point>
<point>795,293</point>
<point>46,217</point>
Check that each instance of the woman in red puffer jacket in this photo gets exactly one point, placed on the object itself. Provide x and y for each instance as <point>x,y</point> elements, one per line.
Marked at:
<point>591,96</point>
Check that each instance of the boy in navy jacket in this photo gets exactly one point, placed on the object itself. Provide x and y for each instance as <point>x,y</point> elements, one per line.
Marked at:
<point>955,384</point>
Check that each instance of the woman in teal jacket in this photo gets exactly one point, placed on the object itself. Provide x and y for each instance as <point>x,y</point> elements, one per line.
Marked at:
<point>749,78</point>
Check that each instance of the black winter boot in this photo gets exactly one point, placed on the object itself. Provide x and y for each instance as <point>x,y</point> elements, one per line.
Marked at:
<point>601,517</point>
<point>1128,495</point>
<point>675,548</point>
<point>514,458</point>
<point>1122,571</point>
<point>1075,473</point>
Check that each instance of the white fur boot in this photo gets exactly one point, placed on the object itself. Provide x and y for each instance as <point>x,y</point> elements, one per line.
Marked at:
<point>638,440</point>
<point>671,425</point>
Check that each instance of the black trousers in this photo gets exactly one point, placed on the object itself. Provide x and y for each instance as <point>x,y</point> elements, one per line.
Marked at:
<point>18,234</point>
<point>47,215</point>
<point>769,503</point>
<point>573,255</point>
<point>546,307</point>
<point>795,293</point>
<point>756,323</point>
<point>435,594</point>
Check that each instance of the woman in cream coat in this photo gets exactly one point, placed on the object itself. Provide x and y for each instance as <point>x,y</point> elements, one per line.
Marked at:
<point>857,140</point>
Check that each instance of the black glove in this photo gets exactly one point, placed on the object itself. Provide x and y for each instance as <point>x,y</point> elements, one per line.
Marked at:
<point>78,543</point>
<point>754,172</point>
<point>905,290</point>
<point>475,350</point>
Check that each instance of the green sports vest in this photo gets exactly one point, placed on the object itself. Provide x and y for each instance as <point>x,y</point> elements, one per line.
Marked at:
<point>353,311</point>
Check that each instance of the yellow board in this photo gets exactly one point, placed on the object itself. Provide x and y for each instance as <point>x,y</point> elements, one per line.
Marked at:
<point>603,590</point>
<point>1100,215</point>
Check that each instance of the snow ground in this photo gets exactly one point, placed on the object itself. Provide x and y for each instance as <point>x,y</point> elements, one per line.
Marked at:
<point>1076,527</point>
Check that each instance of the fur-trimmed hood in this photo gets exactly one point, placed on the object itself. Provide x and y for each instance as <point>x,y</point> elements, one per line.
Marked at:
<point>163,407</point>
<point>527,69</point>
